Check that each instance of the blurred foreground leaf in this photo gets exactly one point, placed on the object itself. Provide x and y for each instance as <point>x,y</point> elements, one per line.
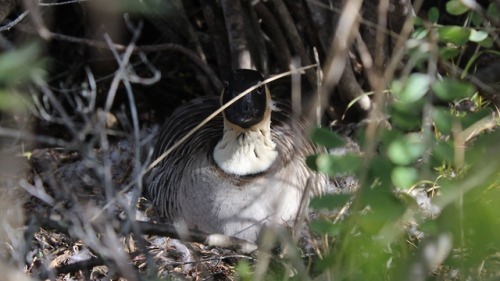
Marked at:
<point>404,177</point>
<point>326,138</point>
<point>19,65</point>
<point>405,150</point>
<point>335,165</point>
<point>454,34</point>
<point>456,7</point>
<point>412,89</point>
<point>448,89</point>
<point>330,201</point>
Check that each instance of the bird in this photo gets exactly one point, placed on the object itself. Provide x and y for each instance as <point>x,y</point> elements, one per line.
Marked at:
<point>243,170</point>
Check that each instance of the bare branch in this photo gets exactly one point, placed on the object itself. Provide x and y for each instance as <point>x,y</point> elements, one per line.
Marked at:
<point>14,22</point>
<point>67,2</point>
<point>146,48</point>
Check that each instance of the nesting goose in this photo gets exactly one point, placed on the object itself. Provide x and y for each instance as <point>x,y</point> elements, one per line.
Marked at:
<point>240,171</point>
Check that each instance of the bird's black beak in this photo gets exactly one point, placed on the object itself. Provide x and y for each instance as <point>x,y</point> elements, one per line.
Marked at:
<point>248,110</point>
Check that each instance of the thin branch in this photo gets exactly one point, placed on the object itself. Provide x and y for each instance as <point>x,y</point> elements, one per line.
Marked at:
<point>282,52</point>
<point>36,18</point>
<point>13,133</point>
<point>399,49</point>
<point>191,33</point>
<point>146,49</point>
<point>123,64</point>
<point>347,28</point>
<point>293,36</point>
<point>79,265</point>
<point>47,4</point>
<point>218,33</point>
<point>14,22</point>
<point>163,230</point>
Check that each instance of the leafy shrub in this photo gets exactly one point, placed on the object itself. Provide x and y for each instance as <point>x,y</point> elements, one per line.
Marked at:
<point>433,145</point>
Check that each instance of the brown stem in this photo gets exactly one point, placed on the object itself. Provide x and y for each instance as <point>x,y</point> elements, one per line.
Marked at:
<point>294,37</point>
<point>282,53</point>
<point>254,34</point>
<point>305,25</point>
<point>240,54</point>
<point>193,38</point>
<point>369,32</point>
<point>399,12</point>
<point>218,33</point>
<point>324,19</point>
<point>350,89</point>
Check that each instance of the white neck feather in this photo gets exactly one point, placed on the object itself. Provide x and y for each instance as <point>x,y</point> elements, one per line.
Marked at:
<point>245,152</point>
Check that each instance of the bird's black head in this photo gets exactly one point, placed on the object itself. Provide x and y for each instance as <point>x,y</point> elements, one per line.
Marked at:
<point>250,109</point>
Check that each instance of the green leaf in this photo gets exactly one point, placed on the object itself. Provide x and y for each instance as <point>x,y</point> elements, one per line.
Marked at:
<point>487,43</point>
<point>476,19</point>
<point>412,89</point>
<point>456,7</point>
<point>311,162</point>
<point>244,270</point>
<point>433,14</point>
<point>404,177</point>
<point>442,152</point>
<point>417,21</point>
<point>448,52</point>
<point>484,151</point>
<point>385,208</point>
<point>454,34</point>
<point>492,11</point>
<point>327,138</point>
<point>471,118</point>
<point>419,33</point>
<point>449,89</point>
<point>405,150</point>
<point>334,165</point>
<point>330,201</point>
<point>19,64</point>
<point>10,102</point>
<point>379,172</point>
<point>477,36</point>
<point>325,227</point>
<point>443,120</point>
<point>387,136</point>
<point>407,115</point>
